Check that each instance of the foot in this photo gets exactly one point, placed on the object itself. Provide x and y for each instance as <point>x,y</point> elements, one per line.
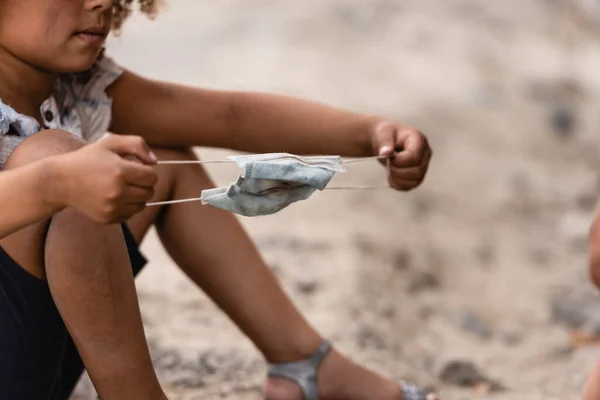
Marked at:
<point>338,378</point>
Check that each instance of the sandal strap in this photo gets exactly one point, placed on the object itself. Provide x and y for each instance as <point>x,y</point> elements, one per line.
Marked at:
<point>304,372</point>
<point>412,392</point>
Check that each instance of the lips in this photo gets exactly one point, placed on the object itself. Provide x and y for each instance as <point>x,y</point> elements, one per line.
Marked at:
<point>95,35</point>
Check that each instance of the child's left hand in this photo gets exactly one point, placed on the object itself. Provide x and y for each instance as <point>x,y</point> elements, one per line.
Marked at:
<point>409,154</point>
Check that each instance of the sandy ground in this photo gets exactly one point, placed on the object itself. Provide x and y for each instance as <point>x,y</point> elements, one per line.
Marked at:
<point>466,267</point>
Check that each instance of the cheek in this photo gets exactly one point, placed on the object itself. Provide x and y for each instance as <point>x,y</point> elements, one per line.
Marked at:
<point>59,20</point>
<point>37,24</point>
<point>37,32</point>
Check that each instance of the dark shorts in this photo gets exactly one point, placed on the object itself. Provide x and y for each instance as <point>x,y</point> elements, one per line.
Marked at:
<point>38,360</point>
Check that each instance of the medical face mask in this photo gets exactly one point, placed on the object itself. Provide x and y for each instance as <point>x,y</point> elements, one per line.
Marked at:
<point>271,182</point>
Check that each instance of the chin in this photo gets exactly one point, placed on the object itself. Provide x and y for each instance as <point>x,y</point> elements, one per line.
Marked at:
<point>82,66</point>
<point>73,65</point>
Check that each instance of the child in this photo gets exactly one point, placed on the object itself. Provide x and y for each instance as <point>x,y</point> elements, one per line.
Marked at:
<point>592,387</point>
<point>73,210</point>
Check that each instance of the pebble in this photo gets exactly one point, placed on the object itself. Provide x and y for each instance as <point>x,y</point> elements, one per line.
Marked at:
<point>466,374</point>
<point>307,284</point>
<point>563,121</point>
<point>578,309</point>
<point>470,322</point>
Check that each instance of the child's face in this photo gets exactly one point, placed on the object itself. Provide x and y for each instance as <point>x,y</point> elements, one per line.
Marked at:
<point>55,35</point>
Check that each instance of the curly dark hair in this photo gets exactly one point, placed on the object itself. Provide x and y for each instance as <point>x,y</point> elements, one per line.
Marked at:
<point>123,8</point>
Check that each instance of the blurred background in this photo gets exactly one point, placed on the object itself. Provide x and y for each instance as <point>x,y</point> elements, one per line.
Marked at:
<point>476,282</point>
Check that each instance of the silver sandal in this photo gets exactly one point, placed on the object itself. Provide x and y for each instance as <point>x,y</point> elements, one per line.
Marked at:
<point>304,374</point>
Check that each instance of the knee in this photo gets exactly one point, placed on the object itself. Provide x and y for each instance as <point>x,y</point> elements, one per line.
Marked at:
<point>43,145</point>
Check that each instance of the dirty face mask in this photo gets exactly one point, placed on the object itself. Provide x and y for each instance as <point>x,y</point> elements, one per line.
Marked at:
<point>271,182</point>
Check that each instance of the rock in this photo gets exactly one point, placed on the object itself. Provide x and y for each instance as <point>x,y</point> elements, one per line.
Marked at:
<point>424,281</point>
<point>560,353</point>
<point>401,260</point>
<point>367,338</point>
<point>186,377</point>
<point>173,368</point>
<point>512,336</point>
<point>563,121</point>
<point>307,284</point>
<point>466,374</point>
<point>579,309</point>
<point>208,363</point>
<point>387,311</point>
<point>473,324</point>
<point>167,359</point>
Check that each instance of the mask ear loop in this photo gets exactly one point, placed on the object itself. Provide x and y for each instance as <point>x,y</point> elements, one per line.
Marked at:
<point>347,161</point>
<point>187,162</point>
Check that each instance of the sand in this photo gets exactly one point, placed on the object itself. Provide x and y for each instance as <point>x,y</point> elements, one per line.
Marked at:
<point>465,267</point>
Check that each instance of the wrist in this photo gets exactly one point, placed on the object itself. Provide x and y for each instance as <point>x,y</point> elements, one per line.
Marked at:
<point>371,143</point>
<point>53,183</point>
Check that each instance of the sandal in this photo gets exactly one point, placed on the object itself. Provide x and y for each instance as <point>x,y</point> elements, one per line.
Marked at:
<point>304,374</point>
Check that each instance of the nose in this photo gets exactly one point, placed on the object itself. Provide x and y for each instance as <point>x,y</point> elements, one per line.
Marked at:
<point>98,5</point>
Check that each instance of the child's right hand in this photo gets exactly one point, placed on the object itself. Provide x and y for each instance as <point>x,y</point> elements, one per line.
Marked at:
<point>100,182</point>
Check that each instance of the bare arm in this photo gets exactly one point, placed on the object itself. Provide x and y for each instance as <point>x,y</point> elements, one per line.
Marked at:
<point>170,115</point>
<point>94,179</point>
<point>27,195</point>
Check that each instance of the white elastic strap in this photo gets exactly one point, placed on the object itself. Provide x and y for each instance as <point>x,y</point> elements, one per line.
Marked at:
<point>183,162</point>
<point>194,162</point>
<point>164,203</point>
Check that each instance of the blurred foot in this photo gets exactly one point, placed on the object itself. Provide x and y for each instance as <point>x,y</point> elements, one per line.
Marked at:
<point>338,378</point>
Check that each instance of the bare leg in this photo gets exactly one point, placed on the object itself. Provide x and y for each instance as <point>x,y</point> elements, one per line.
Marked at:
<point>90,278</point>
<point>242,285</point>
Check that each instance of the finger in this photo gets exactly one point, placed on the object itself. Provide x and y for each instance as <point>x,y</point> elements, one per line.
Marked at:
<point>128,146</point>
<point>410,179</point>
<point>133,158</point>
<point>139,175</point>
<point>129,210</point>
<point>137,195</point>
<point>414,147</point>
<point>406,174</point>
<point>412,173</point>
<point>404,185</point>
<point>385,139</point>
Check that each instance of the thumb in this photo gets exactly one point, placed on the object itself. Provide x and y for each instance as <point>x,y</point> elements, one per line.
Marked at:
<point>126,146</point>
<point>385,139</point>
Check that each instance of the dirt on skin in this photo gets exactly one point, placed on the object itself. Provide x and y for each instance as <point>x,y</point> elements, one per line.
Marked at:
<point>473,266</point>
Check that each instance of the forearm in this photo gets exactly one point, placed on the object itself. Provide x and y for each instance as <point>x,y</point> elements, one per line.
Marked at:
<point>26,196</point>
<point>170,115</point>
<point>267,123</point>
